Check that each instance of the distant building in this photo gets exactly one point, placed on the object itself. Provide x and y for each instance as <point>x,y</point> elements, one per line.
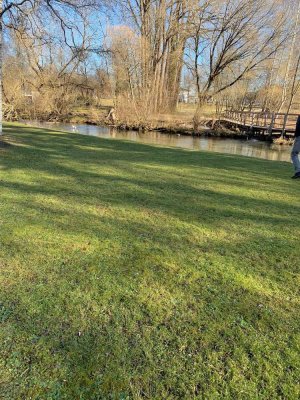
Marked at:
<point>187,96</point>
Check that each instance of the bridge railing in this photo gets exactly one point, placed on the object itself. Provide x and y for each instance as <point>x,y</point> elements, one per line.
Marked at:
<point>279,122</point>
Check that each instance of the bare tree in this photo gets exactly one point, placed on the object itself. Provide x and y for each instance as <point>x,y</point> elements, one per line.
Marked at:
<point>28,17</point>
<point>162,28</point>
<point>238,38</point>
<point>229,47</point>
<point>289,63</point>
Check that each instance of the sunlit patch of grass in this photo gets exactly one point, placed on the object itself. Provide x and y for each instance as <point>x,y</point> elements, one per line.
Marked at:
<point>130,271</point>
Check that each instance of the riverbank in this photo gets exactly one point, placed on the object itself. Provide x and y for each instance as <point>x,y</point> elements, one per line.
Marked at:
<point>179,122</point>
<point>135,271</point>
<point>210,128</point>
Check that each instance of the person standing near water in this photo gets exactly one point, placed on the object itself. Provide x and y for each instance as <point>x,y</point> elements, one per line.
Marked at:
<point>296,150</point>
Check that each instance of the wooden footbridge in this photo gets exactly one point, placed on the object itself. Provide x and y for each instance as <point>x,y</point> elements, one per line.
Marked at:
<point>262,123</point>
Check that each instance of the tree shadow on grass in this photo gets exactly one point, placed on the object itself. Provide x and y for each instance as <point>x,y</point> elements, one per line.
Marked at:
<point>66,153</point>
<point>81,184</point>
<point>180,284</point>
<point>87,147</point>
<point>177,199</point>
<point>144,314</point>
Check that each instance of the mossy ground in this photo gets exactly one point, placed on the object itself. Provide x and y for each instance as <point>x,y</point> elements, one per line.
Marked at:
<point>136,272</point>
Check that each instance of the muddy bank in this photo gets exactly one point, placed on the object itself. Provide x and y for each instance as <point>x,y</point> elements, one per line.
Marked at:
<point>208,127</point>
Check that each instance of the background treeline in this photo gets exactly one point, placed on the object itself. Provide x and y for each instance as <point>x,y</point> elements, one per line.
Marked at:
<point>147,55</point>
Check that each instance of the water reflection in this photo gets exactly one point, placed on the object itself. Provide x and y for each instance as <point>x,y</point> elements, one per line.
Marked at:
<point>250,148</point>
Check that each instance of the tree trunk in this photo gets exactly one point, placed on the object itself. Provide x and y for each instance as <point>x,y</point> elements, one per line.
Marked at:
<point>196,120</point>
<point>293,91</point>
<point>289,62</point>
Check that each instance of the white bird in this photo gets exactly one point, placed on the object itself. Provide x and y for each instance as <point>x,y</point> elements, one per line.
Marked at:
<point>74,128</point>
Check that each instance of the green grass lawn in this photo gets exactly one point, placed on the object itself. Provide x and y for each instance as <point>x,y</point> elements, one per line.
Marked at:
<point>137,272</point>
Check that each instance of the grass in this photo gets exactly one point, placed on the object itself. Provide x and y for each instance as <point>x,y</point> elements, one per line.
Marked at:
<point>136,272</point>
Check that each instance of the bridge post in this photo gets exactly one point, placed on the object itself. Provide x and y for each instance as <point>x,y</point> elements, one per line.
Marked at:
<point>284,125</point>
<point>270,128</point>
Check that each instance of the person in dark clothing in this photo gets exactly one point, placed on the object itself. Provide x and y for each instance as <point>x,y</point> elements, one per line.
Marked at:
<point>296,150</point>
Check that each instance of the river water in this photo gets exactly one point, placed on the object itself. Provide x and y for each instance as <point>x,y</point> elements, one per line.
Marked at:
<point>249,148</point>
